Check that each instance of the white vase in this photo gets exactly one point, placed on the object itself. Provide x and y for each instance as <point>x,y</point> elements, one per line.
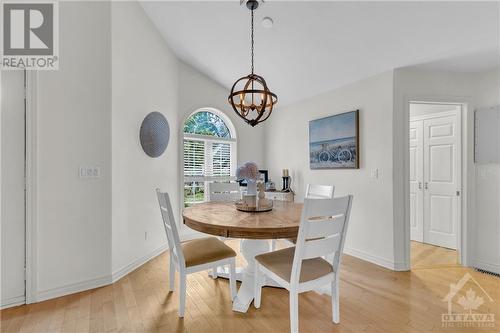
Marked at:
<point>251,187</point>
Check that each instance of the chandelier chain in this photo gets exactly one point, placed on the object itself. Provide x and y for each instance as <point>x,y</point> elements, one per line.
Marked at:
<point>252,40</point>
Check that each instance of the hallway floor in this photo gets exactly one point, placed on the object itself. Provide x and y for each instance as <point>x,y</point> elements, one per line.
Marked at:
<point>428,256</point>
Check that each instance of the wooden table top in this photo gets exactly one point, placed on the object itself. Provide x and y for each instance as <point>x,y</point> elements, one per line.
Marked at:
<point>222,219</point>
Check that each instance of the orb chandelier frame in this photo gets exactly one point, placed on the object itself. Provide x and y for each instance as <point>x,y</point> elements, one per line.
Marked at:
<point>250,96</point>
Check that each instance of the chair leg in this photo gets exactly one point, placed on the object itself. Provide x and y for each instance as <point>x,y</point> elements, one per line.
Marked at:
<point>335,301</point>
<point>257,286</point>
<point>172,273</point>
<point>294,311</point>
<point>182,294</point>
<point>232,278</point>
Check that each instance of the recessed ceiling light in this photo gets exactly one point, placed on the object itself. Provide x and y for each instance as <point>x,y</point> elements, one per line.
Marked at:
<point>267,22</point>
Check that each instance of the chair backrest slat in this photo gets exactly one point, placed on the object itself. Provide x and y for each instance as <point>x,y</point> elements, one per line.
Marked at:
<point>223,191</point>
<point>319,191</point>
<point>316,248</point>
<point>324,208</point>
<point>167,215</point>
<point>325,227</point>
<point>322,231</point>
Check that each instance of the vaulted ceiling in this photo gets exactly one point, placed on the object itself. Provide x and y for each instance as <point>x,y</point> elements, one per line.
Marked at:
<point>317,46</point>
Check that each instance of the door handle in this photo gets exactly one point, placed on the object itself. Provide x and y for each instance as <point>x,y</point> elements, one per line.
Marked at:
<point>419,185</point>
<point>426,185</point>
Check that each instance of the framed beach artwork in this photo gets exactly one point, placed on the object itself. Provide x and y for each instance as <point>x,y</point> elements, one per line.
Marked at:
<point>334,142</point>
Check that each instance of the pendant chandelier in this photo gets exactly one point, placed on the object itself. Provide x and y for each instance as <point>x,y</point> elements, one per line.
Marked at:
<point>250,97</point>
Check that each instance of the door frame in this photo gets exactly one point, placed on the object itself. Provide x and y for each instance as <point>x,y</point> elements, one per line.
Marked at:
<point>467,190</point>
<point>30,211</point>
<point>31,202</point>
<point>460,185</point>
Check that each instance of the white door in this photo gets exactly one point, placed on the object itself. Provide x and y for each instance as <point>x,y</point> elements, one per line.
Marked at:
<point>416,181</point>
<point>442,179</point>
<point>12,196</point>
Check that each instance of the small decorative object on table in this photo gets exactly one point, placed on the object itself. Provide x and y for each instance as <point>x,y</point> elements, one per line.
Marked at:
<point>270,186</point>
<point>287,181</point>
<point>250,173</point>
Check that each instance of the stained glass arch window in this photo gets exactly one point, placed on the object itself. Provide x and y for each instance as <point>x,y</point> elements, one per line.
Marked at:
<point>207,123</point>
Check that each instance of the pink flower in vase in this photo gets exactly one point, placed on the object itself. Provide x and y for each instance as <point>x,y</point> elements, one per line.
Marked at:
<point>248,171</point>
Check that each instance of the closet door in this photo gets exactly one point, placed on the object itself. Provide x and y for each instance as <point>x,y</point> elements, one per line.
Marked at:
<point>442,175</point>
<point>416,181</point>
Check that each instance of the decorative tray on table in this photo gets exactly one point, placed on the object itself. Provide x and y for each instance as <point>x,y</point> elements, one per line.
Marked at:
<point>263,205</point>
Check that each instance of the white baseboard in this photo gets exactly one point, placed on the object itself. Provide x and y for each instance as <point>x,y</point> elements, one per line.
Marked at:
<point>374,259</point>
<point>487,266</point>
<point>98,282</point>
<point>72,288</point>
<point>401,267</point>
<point>12,301</point>
<point>118,274</point>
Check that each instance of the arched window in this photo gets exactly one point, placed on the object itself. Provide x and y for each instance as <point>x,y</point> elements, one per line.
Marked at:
<point>206,123</point>
<point>209,147</point>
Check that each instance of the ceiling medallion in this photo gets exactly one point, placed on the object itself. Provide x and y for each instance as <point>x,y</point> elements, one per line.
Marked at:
<point>250,97</point>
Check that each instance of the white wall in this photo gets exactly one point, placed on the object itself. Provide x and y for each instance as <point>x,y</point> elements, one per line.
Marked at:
<point>370,231</point>
<point>474,89</point>
<point>74,121</point>
<point>145,79</point>
<point>197,90</point>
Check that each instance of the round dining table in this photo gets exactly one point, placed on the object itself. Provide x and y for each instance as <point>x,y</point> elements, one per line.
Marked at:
<point>254,228</point>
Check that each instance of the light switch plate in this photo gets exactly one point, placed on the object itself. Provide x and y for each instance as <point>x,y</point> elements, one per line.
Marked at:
<point>86,172</point>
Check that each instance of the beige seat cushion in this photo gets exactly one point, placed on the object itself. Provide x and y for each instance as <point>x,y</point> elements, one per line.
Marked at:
<point>280,262</point>
<point>205,250</point>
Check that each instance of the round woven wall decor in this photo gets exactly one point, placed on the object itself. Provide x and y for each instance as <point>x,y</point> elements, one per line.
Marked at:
<point>154,134</point>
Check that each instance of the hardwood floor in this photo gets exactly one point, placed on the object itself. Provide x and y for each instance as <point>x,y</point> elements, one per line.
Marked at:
<point>428,256</point>
<point>372,299</point>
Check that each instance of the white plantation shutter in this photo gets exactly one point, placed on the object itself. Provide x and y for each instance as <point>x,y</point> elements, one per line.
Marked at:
<point>194,158</point>
<point>221,159</point>
<point>208,160</point>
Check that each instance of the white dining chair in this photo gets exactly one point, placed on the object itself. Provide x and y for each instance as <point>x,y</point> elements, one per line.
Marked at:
<point>315,192</point>
<point>224,191</point>
<point>299,269</point>
<point>195,255</point>
<point>319,191</point>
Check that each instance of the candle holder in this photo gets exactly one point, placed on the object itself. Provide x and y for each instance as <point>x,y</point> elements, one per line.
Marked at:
<point>286,184</point>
